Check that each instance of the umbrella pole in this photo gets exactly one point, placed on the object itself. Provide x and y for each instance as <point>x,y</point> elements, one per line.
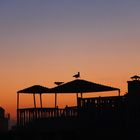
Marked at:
<point>77,99</point>
<point>55,100</point>
<point>81,95</point>
<point>119,92</point>
<point>17,108</point>
<point>40,100</point>
<point>34,100</point>
<point>17,100</point>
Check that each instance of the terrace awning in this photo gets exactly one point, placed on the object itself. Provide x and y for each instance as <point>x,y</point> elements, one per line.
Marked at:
<point>75,86</point>
<point>81,86</point>
<point>35,89</point>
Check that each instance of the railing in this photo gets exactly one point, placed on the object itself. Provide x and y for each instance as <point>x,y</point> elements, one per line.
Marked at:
<point>28,115</point>
<point>95,108</point>
<point>101,101</point>
<point>98,108</point>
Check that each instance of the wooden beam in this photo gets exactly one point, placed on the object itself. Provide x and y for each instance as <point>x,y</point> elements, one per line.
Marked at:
<point>81,95</point>
<point>40,100</point>
<point>119,92</point>
<point>17,109</point>
<point>55,100</point>
<point>76,98</point>
<point>34,100</point>
<point>17,100</point>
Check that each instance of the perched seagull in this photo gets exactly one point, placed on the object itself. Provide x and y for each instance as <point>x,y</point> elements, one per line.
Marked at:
<point>77,75</point>
<point>58,83</point>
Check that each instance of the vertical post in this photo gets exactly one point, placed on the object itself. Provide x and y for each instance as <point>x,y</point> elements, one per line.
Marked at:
<point>17,109</point>
<point>34,100</point>
<point>17,100</point>
<point>35,111</point>
<point>55,100</point>
<point>81,95</point>
<point>119,92</point>
<point>29,116</point>
<point>40,100</point>
<point>20,116</point>
<point>77,99</point>
<point>24,117</point>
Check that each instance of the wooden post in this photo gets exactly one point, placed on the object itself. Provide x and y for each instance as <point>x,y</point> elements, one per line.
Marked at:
<point>77,98</point>
<point>20,116</point>
<point>81,95</point>
<point>24,117</point>
<point>34,100</point>
<point>76,95</point>
<point>40,100</point>
<point>119,92</point>
<point>17,109</point>
<point>29,116</point>
<point>17,100</point>
<point>55,100</point>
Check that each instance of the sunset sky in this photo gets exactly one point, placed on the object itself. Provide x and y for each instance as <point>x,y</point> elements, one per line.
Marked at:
<point>43,41</point>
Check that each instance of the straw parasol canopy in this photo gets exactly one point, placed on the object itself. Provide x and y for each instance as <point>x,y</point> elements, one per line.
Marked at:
<point>35,89</point>
<point>81,86</point>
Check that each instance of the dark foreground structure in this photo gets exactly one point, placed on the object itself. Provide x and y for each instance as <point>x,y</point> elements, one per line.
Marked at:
<point>4,124</point>
<point>4,120</point>
<point>111,117</point>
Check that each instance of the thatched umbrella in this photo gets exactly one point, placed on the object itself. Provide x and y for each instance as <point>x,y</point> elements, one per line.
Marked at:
<point>81,86</point>
<point>35,89</point>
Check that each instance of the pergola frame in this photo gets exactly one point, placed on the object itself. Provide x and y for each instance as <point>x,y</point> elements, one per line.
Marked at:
<point>77,86</point>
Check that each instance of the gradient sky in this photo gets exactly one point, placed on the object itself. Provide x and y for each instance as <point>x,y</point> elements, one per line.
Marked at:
<point>42,41</point>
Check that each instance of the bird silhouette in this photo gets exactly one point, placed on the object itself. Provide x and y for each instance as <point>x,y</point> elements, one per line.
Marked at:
<point>58,83</point>
<point>77,75</point>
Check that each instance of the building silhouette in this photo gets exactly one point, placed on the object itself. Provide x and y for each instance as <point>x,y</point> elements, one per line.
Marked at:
<point>133,102</point>
<point>118,114</point>
<point>4,121</point>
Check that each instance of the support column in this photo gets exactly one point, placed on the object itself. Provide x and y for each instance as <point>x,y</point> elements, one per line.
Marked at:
<point>17,109</point>
<point>17,100</point>
<point>81,95</point>
<point>119,92</point>
<point>77,99</point>
<point>40,100</point>
<point>55,100</point>
<point>34,100</point>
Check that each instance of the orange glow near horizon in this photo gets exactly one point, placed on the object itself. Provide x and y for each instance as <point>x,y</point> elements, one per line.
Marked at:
<point>26,100</point>
<point>48,41</point>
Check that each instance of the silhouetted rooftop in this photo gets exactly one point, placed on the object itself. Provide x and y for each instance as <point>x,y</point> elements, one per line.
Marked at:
<point>81,86</point>
<point>35,89</point>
